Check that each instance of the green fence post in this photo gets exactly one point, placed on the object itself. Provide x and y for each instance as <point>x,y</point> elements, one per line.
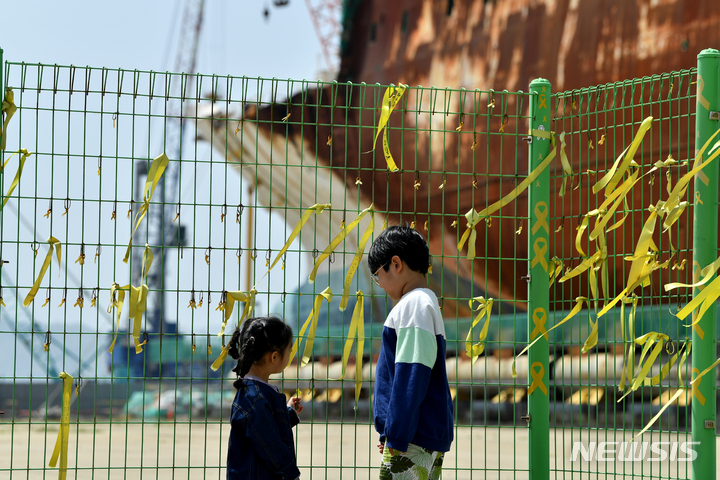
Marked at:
<point>705,252</point>
<point>538,284</point>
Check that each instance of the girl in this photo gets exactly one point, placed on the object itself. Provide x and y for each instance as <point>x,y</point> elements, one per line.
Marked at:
<point>261,440</point>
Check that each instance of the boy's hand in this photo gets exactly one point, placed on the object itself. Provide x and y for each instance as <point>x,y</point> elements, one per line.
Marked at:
<point>381,447</point>
<point>294,403</point>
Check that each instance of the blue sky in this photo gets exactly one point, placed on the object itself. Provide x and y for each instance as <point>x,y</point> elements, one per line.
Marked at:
<point>133,34</point>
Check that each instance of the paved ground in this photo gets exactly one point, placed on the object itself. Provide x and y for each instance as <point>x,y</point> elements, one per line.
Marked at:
<point>325,451</point>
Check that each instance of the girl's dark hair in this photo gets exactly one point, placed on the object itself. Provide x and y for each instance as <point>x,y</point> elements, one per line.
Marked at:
<point>254,339</point>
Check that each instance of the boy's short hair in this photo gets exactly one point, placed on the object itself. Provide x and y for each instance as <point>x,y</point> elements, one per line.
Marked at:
<point>406,243</point>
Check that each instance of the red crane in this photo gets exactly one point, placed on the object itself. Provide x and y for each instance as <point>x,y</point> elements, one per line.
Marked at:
<point>325,15</point>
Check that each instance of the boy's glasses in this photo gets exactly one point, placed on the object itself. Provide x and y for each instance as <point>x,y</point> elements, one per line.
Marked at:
<point>374,276</point>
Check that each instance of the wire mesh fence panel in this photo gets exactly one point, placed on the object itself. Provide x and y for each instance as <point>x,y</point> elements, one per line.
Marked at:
<point>602,393</point>
<point>154,212</point>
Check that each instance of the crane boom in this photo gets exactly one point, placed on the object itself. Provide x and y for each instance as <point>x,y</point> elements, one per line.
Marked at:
<point>325,16</point>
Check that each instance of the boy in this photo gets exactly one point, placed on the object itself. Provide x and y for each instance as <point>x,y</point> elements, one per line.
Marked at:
<point>412,404</point>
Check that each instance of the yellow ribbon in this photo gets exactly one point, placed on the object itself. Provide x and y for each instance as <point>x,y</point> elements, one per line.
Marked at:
<point>61,445</point>
<point>629,362</point>
<point>656,379</point>
<point>229,305</point>
<point>573,312</point>
<point>54,245</point>
<point>555,271</point>
<point>389,101</point>
<point>523,185</point>
<point>221,358</point>
<point>472,218</point>
<point>673,201</point>
<point>357,328</point>
<point>677,394</point>
<point>116,302</point>
<point>312,323</point>
<point>138,302</point>
<point>24,155</point>
<point>317,209</point>
<point>356,260</point>
<point>616,172</point>
<point>648,340</point>
<point>484,309</point>
<point>707,273</point>
<point>157,168</point>
<point>615,198</point>
<point>643,278</point>
<point>642,376</point>
<point>8,109</point>
<point>567,168</point>
<point>583,266</point>
<point>336,241</point>
<point>704,300</point>
<point>537,378</point>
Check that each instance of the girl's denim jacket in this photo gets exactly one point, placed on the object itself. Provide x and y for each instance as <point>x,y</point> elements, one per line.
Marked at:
<point>261,439</point>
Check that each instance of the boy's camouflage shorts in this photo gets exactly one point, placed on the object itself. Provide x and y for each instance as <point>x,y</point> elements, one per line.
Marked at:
<point>416,463</point>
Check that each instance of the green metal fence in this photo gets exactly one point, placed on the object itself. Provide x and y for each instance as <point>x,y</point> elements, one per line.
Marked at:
<point>247,157</point>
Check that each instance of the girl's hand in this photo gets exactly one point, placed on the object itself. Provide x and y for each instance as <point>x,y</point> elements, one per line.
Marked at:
<point>294,403</point>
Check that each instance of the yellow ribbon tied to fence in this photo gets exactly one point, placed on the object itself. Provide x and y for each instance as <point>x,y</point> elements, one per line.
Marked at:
<point>629,331</point>
<point>221,358</point>
<point>525,183</point>
<point>356,260</point>
<point>117,299</point>
<point>249,300</point>
<point>483,309</point>
<point>317,209</point>
<point>312,323</point>
<point>24,154</point>
<point>157,168</point>
<point>54,245</point>
<point>470,235</point>
<point>653,344</point>
<point>623,161</point>
<point>683,389</point>
<point>644,261</point>
<point>357,329</point>
<point>576,309</point>
<point>8,110</point>
<point>567,168</point>
<point>358,255</point>
<point>390,100</point>
<point>706,274</point>
<point>227,305</point>
<point>62,442</point>
<point>137,302</point>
